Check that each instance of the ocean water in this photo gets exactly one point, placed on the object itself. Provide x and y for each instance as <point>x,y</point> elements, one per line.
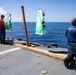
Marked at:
<point>55,33</point>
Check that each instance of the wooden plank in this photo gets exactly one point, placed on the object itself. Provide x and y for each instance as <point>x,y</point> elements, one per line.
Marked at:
<point>41,51</point>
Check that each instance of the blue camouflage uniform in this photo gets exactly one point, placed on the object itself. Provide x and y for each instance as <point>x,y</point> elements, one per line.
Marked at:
<point>71,37</point>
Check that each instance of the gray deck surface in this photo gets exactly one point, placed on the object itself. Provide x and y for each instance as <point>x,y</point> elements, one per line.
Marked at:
<point>23,62</point>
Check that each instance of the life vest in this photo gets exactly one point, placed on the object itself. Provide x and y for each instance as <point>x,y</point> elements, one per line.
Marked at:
<point>1,25</point>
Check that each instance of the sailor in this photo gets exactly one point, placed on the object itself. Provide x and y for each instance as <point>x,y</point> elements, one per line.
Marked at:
<point>2,30</point>
<point>71,37</point>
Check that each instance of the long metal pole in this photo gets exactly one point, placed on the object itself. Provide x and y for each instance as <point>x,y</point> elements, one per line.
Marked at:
<point>25,28</point>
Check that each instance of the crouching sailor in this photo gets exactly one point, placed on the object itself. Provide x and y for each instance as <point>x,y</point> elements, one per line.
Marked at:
<point>71,37</point>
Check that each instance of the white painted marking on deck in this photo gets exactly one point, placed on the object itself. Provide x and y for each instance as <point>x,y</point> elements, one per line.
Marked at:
<point>10,50</point>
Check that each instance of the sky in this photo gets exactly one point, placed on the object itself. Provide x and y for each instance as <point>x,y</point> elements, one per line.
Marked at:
<point>55,10</point>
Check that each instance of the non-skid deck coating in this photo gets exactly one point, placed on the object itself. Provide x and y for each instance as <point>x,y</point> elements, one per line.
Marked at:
<point>23,62</point>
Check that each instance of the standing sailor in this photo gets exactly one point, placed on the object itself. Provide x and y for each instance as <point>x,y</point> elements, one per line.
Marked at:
<point>2,30</point>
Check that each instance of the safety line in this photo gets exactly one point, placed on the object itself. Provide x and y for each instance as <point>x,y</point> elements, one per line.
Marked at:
<point>10,50</point>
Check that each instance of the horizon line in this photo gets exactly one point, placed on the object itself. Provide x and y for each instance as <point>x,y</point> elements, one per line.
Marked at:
<point>33,21</point>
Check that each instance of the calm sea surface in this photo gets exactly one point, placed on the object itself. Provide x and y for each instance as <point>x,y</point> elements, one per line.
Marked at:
<point>55,33</point>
